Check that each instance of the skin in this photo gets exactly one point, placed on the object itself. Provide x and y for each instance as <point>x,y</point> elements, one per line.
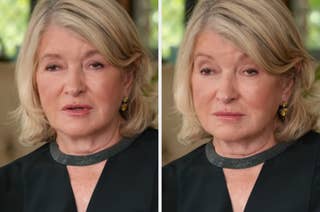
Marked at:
<point>79,74</point>
<point>225,80</point>
<point>236,101</point>
<point>71,71</point>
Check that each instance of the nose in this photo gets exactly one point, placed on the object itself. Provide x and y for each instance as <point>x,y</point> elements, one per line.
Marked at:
<point>74,82</point>
<point>227,90</point>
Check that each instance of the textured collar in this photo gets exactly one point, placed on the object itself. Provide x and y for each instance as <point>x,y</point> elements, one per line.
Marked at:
<point>85,160</point>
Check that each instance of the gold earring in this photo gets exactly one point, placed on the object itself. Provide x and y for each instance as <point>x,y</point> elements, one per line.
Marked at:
<point>124,104</point>
<point>282,111</point>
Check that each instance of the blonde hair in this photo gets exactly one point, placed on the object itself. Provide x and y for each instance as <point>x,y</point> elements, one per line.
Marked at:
<point>266,32</point>
<point>107,26</point>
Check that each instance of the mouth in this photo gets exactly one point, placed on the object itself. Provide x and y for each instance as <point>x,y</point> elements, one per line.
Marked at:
<point>228,115</point>
<point>77,109</point>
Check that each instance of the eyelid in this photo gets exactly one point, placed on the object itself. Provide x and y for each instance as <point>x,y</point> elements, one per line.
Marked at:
<point>206,71</point>
<point>203,63</point>
<point>253,71</point>
<point>52,67</point>
<point>96,63</point>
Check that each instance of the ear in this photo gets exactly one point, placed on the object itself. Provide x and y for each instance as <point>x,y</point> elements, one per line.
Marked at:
<point>127,82</point>
<point>287,84</point>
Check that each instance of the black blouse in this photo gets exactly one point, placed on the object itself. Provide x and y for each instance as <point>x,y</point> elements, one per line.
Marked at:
<point>129,181</point>
<point>289,182</point>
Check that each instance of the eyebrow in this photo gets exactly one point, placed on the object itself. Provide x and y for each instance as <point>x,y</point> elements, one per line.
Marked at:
<point>200,54</point>
<point>57,56</point>
<point>49,55</point>
<point>91,53</point>
<point>203,55</point>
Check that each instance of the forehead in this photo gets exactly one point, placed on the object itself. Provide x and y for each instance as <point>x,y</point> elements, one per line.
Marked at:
<point>212,45</point>
<point>61,39</point>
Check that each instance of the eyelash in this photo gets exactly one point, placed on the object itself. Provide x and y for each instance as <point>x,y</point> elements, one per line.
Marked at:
<point>96,65</point>
<point>52,67</point>
<point>247,72</point>
<point>206,71</point>
<point>251,72</point>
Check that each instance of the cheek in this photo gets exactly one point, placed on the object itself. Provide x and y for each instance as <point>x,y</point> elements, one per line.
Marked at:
<point>108,91</point>
<point>263,100</point>
<point>50,89</point>
<point>196,91</point>
<point>202,93</point>
<point>46,89</point>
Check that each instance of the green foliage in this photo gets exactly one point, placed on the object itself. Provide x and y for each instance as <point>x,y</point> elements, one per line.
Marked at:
<point>314,4</point>
<point>14,17</point>
<point>313,37</point>
<point>172,25</point>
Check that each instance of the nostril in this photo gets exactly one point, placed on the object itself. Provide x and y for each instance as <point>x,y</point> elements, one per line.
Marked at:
<point>74,91</point>
<point>226,99</point>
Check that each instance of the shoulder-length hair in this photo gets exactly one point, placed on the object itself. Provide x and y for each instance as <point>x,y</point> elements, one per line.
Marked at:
<point>108,27</point>
<point>266,32</point>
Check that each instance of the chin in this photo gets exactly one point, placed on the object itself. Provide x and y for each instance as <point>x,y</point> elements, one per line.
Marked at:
<point>227,133</point>
<point>75,130</point>
<point>76,133</point>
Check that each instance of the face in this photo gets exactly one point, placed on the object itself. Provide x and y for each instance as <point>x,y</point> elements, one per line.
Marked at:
<point>234,99</point>
<point>80,92</point>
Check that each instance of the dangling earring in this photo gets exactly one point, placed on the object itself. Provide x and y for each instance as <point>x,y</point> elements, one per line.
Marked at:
<point>282,111</point>
<point>124,104</point>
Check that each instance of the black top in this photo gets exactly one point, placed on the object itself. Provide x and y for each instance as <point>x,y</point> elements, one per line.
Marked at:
<point>129,181</point>
<point>289,182</point>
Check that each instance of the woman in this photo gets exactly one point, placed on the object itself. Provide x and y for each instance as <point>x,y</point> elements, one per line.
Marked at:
<point>244,81</point>
<point>82,78</point>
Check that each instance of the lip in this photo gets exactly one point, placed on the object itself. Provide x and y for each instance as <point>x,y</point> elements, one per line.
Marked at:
<point>228,115</point>
<point>77,109</point>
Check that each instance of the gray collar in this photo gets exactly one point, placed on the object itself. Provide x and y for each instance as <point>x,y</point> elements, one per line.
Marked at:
<point>242,163</point>
<point>85,160</point>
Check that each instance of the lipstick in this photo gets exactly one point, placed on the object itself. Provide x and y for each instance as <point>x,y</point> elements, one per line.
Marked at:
<point>228,115</point>
<point>77,109</point>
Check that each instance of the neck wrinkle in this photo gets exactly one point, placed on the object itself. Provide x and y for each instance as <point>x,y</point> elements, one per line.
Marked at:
<point>90,144</point>
<point>242,149</point>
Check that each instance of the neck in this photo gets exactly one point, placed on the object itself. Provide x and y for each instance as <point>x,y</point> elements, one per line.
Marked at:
<point>243,148</point>
<point>89,144</point>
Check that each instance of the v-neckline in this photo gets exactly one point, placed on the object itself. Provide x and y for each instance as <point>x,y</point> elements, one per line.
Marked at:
<point>97,186</point>
<point>253,190</point>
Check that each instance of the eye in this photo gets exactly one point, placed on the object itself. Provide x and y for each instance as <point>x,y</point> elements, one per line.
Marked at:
<point>206,71</point>
<point>52,67</point>
<point>96,65</point>
<point>250,72</point>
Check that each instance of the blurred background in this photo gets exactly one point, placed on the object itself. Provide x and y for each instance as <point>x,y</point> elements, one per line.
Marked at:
<point>14,17</point>
<point>175,14</point>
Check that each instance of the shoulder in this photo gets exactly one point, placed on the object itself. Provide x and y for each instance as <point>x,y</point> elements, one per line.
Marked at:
<point>21,166</point>
<point>308,147</point>
<point>13,175</point>
<point>181,172</point>
<point>188,159</point>
<point>310,138</point>
<point>27,160</point>
<point>144,148</point>
<point>195,159</point>
<point>148,135</point>
<point>147,140</point>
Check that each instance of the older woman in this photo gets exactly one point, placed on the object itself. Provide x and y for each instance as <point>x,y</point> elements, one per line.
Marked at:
<point>245,82</point>
<point>82,78</point>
